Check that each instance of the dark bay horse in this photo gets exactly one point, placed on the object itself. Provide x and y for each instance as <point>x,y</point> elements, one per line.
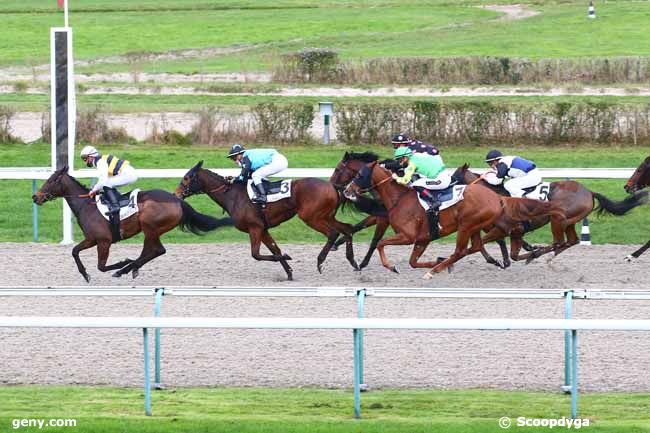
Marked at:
<point>573,198</point>
<point>314,200</point>
<point>480,209</point>
<point>639,180</point>
<point>159,212</point>
<point>343,174</point>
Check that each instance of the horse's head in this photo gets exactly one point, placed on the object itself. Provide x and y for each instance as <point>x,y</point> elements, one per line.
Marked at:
<point>463,175</point>
<point>52,188</point>
<point>349,167</point>
<point>640,178</point>
<point>190,184</point>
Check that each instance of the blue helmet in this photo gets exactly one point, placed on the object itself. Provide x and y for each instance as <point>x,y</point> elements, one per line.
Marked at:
<point>236,149</point>
<point>400,139</point>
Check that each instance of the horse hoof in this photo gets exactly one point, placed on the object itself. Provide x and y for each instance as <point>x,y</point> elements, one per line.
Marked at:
<point>450,269</point>
<point>395,269</point>
<point>135,273</point>
<point>334,248</point>
<point>427,276</point>
<point>286,257</point>
<point>629,258</point>
<point>86,277</point>
<point>117,274</point>
<point>320,268</point>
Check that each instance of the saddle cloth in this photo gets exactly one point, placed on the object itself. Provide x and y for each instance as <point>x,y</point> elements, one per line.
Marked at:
<point>127,207</point>
<point>275,191</point>
<point>448,197</point>
<point>538,192</point>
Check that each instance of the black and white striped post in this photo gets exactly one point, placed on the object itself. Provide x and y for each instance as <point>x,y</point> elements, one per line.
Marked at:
<point>592,10</point>
<point>585,235</point>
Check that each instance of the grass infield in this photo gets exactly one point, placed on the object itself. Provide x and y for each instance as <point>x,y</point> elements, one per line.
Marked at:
<point>15,221</point>
<point>254,410</point>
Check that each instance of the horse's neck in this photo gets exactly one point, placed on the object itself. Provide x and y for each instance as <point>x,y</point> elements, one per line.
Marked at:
<point>209,183</point>
<point>389,192</point>
<point>72,190</point>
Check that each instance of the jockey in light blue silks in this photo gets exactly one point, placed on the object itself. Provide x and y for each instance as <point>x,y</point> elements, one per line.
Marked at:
<point>522,173</point>
<point>257,164</point>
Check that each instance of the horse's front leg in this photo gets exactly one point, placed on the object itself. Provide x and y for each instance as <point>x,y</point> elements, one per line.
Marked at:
<point>461,251</point>
<point>380,229</point>
<point>83,245</point>
<point>637,253</point>
<point>103,248</point>
<point>367,222</point>
<point>397,239</point>
<point>275,249</point>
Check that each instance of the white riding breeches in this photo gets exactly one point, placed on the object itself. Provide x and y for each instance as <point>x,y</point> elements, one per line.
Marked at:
<point>516,185</point>
<point>441,182</point>
<point>277,164</point>
<point>126,177</point>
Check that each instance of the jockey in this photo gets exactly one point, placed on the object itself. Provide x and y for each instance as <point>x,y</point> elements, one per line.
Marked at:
<point>257,164</point>
<point>522,173</point>
<point>417,146</point>
<point>431,171</point>
<point>111,173</point>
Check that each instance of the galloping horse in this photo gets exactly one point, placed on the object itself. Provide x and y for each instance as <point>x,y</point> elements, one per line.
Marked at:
<point>343,174</point>
<point>159,212</point>
<point>639,180</point>
<point>314,200</point>
<point>574,199</point>
<point>480,209</point>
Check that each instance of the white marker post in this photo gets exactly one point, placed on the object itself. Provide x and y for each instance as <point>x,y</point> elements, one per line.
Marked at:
<point>592,10</point>
<point>327,110</point>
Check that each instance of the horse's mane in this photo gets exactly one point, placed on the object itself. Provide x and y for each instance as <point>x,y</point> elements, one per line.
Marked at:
<point>78,183</point>
<point>360,156</point>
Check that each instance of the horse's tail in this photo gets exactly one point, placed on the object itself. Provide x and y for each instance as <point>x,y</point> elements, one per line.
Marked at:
<point>525,209</point>
<point>199,223</point>
<point>606,205</point>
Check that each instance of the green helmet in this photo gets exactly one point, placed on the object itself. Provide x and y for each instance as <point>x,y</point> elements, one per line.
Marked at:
<point>402,152</point>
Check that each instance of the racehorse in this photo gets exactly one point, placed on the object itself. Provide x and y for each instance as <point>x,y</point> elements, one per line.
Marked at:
<point>343,174</point>
<point>639,180</point>
<point>479,209</point>
<point>159,212</point>
<point>314,200</point>
<point>574,199</point>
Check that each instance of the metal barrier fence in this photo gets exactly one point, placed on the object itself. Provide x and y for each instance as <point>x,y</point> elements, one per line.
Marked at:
<point>356,325</point>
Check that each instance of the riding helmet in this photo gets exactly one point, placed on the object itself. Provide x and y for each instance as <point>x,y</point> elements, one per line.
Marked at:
<point>400,139</point>
<point>88,151</point>
<point>236,149</point>
<point>401,152</point>
<point>493,155</point>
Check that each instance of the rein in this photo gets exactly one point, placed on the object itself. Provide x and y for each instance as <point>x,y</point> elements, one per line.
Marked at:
<point>363,191</point>
<point>218,189</point>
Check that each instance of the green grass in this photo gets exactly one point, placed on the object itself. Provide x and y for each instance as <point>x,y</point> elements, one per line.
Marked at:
<point>253,410</point>
<point>114,103</point>
<point>357,30</point>
<point>15,221</point>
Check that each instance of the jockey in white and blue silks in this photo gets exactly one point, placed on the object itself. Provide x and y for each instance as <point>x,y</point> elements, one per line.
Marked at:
<point>257,164</point>
<point>522,173</point>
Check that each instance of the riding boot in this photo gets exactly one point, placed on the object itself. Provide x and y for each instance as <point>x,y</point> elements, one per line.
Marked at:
<point>260,196</point>
<point>113,198</point>
<point>432,217</point>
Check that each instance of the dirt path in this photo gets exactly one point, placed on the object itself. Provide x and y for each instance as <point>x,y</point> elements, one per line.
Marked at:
<point>504,360</point>
<point>512,12</point>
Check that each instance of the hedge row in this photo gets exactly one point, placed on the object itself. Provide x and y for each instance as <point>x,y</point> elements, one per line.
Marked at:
<point>323,66</point>
<point>488,122</point>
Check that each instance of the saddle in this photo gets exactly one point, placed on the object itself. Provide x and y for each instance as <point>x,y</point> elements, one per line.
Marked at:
<point>272,187</point>
<point>124,201</point>
<point>275,191</point>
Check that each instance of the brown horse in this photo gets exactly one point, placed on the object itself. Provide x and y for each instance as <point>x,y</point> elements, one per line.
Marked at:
<point>314,200</point>
<point>574,199</point>
<point>639,180</point>
<point>343,174</point>
<point>159,212</point>
<point>481,208</point>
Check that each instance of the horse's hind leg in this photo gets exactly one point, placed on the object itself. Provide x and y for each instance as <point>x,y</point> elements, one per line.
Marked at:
<point>151,249</point>
<point>346,230</point>
<point>461,251</point>
<point>83,245</point>
<point>275,249</point>
<point>637,253</point>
